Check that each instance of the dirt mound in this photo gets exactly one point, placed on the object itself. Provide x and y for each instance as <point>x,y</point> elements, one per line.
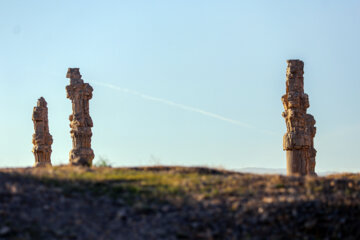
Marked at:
<point>175,203</point>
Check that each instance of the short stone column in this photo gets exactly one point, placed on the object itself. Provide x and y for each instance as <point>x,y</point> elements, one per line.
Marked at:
<point>41,139</point>
<point>298,140</point>
<point>80,121</point>
<point>310,131</point>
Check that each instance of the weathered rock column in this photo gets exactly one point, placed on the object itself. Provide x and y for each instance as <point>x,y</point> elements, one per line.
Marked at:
<point>80,121</point>
<point>310,133</point>
<point>298,140</point>
<point>42,139</point>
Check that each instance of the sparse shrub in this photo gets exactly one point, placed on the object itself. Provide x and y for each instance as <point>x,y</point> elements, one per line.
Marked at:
<point>102,162</point>
<point>156,161</point>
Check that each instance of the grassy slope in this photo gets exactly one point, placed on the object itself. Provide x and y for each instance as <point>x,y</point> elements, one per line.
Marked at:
<point>203,203</point>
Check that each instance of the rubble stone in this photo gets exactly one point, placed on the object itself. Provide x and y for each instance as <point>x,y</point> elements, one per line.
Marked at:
<point>41,139</point>
<point>80,121</point>
<point>298,140</point>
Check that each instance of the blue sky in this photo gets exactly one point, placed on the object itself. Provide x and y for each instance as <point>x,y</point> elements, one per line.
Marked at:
<point>226,59</point>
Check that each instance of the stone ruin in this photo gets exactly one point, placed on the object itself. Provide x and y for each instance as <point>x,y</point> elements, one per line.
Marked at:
<point>80,121</point>
<point>298,141</point>
<point>42,139</point>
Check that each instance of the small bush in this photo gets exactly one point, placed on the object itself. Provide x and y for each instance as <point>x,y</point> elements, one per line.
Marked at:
<point>102,162</point>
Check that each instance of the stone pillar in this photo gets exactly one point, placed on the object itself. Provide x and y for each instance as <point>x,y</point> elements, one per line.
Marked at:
<point>42,139</point>
<point>80,121</point>
<point>310,133</point>
<point>298,140</point>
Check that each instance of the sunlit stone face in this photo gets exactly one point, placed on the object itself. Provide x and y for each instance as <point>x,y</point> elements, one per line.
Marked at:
<point>298,140</point>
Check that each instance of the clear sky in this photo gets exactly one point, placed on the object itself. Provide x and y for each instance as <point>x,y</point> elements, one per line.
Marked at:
<point>204,78</point>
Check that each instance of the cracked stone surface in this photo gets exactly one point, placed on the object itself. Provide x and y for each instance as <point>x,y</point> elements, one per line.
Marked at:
<point>41,139</point>
<point>80,121</point>
<point>298,141</point>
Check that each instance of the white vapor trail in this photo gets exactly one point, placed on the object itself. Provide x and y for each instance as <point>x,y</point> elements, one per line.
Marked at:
<point>178,105</point>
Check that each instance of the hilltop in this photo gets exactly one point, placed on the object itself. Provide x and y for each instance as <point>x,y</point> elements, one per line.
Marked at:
<point>175,203</point>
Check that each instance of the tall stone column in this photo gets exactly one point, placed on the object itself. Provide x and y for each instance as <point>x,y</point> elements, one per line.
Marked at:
<point>80,121</point>
<point>42,139</point>
<point>298,140</point>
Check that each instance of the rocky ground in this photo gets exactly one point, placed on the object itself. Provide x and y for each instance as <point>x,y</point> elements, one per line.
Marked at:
<point>175,203</point>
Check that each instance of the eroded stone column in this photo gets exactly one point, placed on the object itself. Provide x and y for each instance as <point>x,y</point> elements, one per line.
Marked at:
<point>298,140</point>
<point>80,121</point>
<point>310,133</point>
<point>42,139</point>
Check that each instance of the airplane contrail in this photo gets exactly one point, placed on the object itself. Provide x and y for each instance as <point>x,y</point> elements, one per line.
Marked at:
<point>178,105</point>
